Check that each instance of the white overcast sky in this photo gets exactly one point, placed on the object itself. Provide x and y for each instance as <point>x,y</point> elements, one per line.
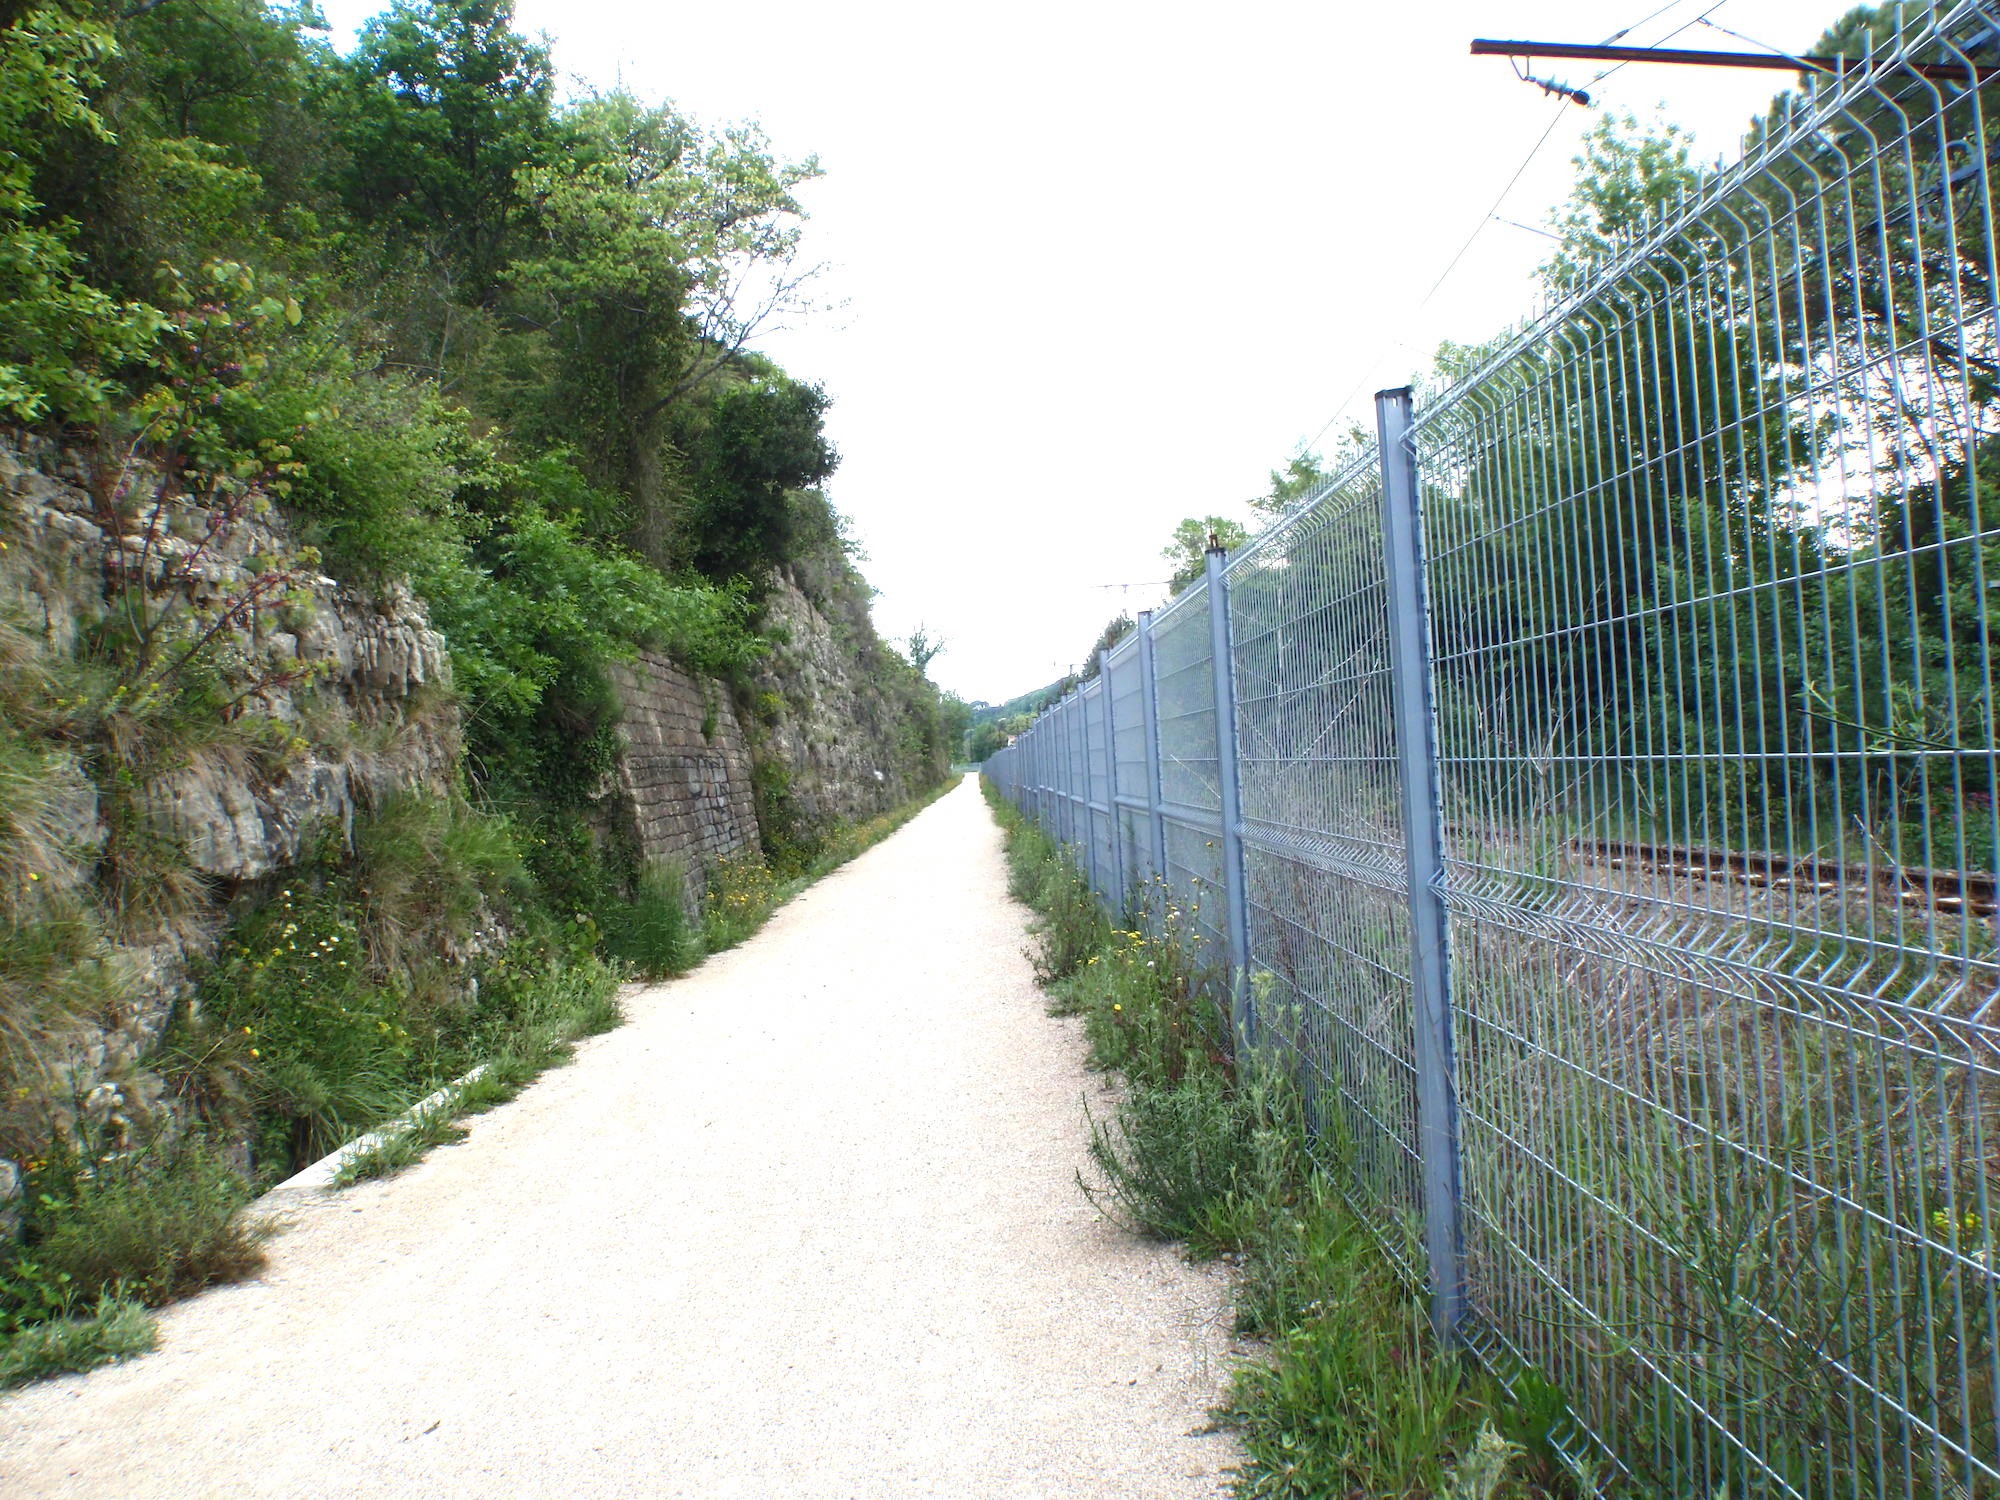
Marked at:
<point>1104,265</point>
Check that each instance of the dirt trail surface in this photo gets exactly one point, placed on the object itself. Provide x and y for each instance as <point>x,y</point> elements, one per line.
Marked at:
<point>805,1226</point>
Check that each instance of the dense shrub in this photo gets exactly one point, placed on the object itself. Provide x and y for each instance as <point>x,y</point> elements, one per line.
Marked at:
<point>1173,1156</point>
<point>150,1224</point>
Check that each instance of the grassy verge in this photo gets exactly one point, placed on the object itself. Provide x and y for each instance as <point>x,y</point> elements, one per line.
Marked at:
<point>112,1331</point>
<point>557,1013</point>
<point>1352,1398</point>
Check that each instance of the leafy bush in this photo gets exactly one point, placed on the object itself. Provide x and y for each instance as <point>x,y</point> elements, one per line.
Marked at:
<point>790,840</point>
<point>1175,1155</point>
<point>151,1225</point>
<point>530,597</point>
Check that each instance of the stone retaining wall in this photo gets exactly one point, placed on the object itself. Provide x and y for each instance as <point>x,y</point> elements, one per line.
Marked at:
<point>685,773</point>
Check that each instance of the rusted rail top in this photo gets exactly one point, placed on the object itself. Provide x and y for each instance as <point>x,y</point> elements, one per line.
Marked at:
<point>1949,890</point>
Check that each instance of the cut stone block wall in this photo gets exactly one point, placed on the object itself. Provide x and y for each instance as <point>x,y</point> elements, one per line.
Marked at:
<point>685,773</point>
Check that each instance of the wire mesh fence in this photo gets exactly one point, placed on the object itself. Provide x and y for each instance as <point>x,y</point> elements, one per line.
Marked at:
<point>1694,702</point>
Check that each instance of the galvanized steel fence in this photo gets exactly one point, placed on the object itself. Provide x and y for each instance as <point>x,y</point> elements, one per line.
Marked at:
<point>1593,788</point>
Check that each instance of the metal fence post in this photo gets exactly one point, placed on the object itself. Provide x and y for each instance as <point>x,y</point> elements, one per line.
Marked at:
<point>1111,779</point>
<point>1032,775</point>
<point>1235,887</point>
<point>1149,703</point>
<point>1423,842</point>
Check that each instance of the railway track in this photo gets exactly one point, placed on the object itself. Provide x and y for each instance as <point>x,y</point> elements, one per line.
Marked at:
<point>1956,892</point>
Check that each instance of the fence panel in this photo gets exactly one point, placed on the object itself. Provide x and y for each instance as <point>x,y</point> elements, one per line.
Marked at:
<point>1131,780</point>
<point>1712,549</point>
<point>1097,792</point>
<point>1707,719</point>
<point>1190,780</point>
<point>1323,835</point>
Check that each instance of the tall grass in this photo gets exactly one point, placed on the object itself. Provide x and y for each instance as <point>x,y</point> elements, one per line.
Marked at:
<point>652,933</point>
<point>149,1225</point>
<point>1069,924</point>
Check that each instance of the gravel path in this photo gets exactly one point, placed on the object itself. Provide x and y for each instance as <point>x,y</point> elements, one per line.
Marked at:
<point>805,1226</point>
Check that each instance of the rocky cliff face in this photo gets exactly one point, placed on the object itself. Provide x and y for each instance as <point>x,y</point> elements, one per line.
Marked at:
<point>828,707</point>
<point>321,701</point>
<point>334,698</point>
<point>829,730</point>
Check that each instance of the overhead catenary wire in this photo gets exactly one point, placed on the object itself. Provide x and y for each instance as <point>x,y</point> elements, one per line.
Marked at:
<point>1624,31</point>
<point>1375,360</point>
<point>1518,50</point>
<point>1546,234</point>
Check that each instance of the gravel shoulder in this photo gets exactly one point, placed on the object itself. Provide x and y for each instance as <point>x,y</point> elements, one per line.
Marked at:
<point>805,1226</point>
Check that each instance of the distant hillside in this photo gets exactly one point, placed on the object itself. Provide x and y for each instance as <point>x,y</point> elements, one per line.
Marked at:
<point>1032,702</point>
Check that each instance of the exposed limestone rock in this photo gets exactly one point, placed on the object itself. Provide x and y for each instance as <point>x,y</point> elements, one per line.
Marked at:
<point>346,695</point>
<point>73,817</point>
<point>826,719</point>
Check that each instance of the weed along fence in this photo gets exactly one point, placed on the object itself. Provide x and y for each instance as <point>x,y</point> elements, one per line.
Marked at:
<point>1591,793</point>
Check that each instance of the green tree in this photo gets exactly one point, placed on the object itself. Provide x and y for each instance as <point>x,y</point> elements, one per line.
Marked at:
<point>63,341</point>
<point>1192,538</point>
<point>954,723</point>
<point>985,741</point>
<point>629,301</point>
<point>443,108</point>
<point>1115,630</point>
<point>754,443</point>
<point>924,647</point>
<point>1624,174</point>
<point>1300,476</point>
